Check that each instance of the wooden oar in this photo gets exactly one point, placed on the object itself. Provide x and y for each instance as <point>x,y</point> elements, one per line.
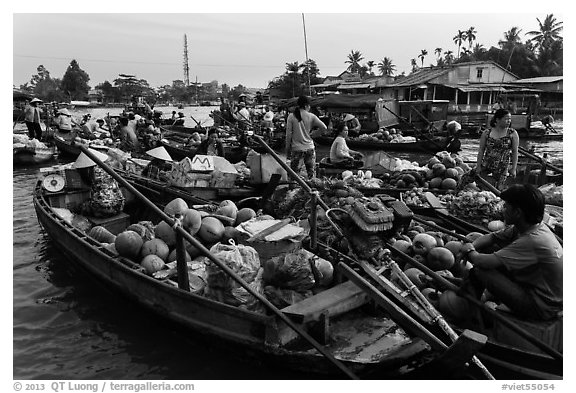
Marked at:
<point>182,232</point>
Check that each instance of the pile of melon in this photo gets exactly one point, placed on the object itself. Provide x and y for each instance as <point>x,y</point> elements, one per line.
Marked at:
<point>445,171</point>
<point>441,253</point>
<point>153,246</point>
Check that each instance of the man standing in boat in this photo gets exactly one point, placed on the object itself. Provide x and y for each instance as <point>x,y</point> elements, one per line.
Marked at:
<point>32,119</point>
<point>242,116</point>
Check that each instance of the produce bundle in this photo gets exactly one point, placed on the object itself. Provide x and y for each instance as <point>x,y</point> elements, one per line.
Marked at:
<point>478,207</point>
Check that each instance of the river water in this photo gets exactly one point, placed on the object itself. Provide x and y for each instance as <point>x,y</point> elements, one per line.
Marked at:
<point>66,326</point>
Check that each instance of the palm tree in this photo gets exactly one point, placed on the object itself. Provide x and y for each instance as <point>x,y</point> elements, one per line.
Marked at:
<point>459,39</point>
<point>370,64</point>
<point>478,51</point>
<point>511,38</point>
<point>470,36</point>
<point>438,52</point>
<point>292,69</point>
<point>422,55</point>
<point>354,59</point>
<point>548,33</point>
<point>449,56</point>
<point>386,67</point>
<point>414,65</point>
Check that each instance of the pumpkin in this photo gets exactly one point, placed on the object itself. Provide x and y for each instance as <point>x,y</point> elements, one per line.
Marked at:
<point>102,234</point>
<point>128,244</point>
<point>211,230</point>
<point>152,263</point>
<point>165,232</point>
<point>155,247</point>
<point>440,258</point>
<point>138,228</point>
<point>227,208</point>
<point>192,221</point>
<point>176,206</point>
<point>244,215</point>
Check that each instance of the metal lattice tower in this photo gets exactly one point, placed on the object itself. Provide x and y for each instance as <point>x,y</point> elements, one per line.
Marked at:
<point>186,68</point>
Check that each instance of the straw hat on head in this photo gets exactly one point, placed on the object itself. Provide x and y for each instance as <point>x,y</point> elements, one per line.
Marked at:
<point>83,161</point>
<point>268,116</point>
<point>349,117</point>
<point>64,111</point>
<point>33,100</point>
<point>160,153</point>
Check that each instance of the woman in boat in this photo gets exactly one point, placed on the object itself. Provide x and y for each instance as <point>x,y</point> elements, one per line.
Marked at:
<point>211,146</point>
<point>340,153</point>
<point>498,151</point>
<point>526,272</point>
<point>299,143</point>
<point>453,144</point>
<point>353,124</point>
<point>64,122</point>
<point>161,162</point>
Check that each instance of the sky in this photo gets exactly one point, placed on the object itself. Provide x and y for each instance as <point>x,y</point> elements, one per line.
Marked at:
<point>249,48</point>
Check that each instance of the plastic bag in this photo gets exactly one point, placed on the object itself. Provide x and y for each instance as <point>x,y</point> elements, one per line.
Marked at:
<point>290,271</point>
<point>242,260</point>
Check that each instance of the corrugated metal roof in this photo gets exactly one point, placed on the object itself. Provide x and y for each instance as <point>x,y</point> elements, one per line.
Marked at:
<point>540,79</point>
<point>478,87</point>
<point>419,77</point>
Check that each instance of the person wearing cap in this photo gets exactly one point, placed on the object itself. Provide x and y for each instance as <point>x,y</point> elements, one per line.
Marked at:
<point>64,123</point>
<point>106,198</point>
<point>161,162</point>
<point>32,119</point>
<point>299,143</point>
<point>211,146</point>
<point>453,144</point>
<point>353,124</point>
<point>242,116</point>
<point>525,272</point>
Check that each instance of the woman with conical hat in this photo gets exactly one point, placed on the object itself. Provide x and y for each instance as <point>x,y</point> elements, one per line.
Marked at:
<point>64,122</point>
<point>161,162</point>
<point>32,119</point>
<point>353,124</point>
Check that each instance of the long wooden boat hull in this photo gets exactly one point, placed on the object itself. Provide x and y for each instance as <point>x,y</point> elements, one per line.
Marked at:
<point>234,154</point>
<point>430,146</point>
<point>66,148</point>
<point>383,347</point>
<point>33,157</point>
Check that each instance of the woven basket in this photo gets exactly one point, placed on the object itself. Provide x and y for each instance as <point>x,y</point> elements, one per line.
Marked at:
<point>370,215</point>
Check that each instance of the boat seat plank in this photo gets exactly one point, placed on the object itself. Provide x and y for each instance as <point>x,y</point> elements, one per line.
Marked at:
<point>334,301</point>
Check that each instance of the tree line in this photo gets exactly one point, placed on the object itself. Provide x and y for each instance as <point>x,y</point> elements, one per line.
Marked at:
<point>540,55</point>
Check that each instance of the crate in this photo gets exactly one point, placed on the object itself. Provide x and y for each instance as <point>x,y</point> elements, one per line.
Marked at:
<point>550,332</point>
<point>114,224</point>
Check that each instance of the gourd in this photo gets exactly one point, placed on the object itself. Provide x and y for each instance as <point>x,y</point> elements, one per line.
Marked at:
<point>211,230</point>
<point>128,244</point>
<point>152,263</point>
<point>102,234</point>
<point>165,232</point>
<point>155,247</point>
<point>176,206</point>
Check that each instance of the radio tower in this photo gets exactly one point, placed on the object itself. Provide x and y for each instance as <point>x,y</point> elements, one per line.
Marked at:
<point>186,68</point>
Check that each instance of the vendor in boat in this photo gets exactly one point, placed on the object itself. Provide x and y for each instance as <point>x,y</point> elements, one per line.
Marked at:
<point>64,123</point>
<point>212,146</point>
<point>128,139</point>
<point>525,273</point>
<point>32,119</point>
<point>453,144</point>
<point>340,153</point>
<point>94,129</point>
<point>353,124</point>
<point>161,162</point>
<point>242,116</point>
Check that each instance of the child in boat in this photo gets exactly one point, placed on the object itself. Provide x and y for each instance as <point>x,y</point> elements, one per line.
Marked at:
<point>526,272</point>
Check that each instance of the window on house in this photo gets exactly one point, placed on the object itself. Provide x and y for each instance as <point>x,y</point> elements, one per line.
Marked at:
<point>479,73</point>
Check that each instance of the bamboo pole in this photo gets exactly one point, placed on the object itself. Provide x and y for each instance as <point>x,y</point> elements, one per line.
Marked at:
<point>179,230</point>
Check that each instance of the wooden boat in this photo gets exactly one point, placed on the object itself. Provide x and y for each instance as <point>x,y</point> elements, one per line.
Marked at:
<point>432,145</point>
<point>356,340</point>
<point>181,129</point>
<point>507,353</point>
<point>178,149</point>
<point>31,156</point>
<point>70,149</point>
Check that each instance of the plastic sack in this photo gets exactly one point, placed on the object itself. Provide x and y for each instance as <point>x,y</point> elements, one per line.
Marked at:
<point>242,260</point>
<point>290,271</point>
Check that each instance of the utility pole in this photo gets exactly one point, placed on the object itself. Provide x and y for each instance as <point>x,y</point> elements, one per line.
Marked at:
<point>186,68</point>
<point>306,50</point>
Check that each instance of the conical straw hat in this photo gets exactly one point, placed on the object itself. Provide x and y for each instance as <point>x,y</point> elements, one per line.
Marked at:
<point>160,153</point>
<point>83,161</point>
